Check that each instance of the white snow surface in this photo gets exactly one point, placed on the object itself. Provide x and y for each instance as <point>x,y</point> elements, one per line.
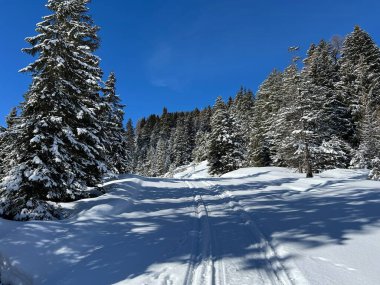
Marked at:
<point>251,226</point>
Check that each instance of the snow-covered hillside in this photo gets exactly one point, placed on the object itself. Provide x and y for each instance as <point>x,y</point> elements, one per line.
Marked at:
<point>250,226</point>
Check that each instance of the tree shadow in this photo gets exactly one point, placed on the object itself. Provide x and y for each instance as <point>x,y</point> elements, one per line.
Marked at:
<point>122,234</point>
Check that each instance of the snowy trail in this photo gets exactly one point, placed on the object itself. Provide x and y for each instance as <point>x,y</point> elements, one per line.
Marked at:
<point>275,272</point>
<point>264,226</point>
<point>225,270</point>
<point>201,264</point>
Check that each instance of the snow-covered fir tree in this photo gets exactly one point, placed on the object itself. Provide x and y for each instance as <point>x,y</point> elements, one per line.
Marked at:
<point>200,151</point>
<point>333,121</point>
<point>359,76</point>
<point>130,146</point>
<point>117,156</point>
<point>286,120</point>
<point>183,142</point>
<point>58,151</point>
<point>267,103</point>
<point>242,111</point>
<point>144,131</point>
<point>162,157</point>
<point>225,147</point>
<point>7,140</point>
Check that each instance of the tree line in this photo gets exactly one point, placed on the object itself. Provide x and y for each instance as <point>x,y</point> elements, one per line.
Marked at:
<point>322,115</point>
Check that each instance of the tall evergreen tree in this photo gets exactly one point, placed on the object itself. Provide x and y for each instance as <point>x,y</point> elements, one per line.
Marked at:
<point>182,145</point>
<point>58,151</point>
<point>225,147</point>
<point>359,76</point>
<point>200,150</point>
<point>242,112</point>
<point>286,120</point>
<point>267,103</point>
<point>7,140</point>
<point>332,122</point>
<point>118,158</point>
<point>130,146</point>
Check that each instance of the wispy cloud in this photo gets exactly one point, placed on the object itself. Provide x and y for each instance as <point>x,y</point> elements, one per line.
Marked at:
<point>163,68</point>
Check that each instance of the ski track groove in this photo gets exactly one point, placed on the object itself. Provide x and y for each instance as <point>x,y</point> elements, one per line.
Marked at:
<point>279,274</point>
<point>202,268</point>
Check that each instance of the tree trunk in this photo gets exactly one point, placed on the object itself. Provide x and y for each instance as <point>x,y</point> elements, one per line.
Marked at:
<point>308,168</point>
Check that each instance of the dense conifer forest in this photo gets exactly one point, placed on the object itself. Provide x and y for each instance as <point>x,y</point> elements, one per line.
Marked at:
<point>69,133</point>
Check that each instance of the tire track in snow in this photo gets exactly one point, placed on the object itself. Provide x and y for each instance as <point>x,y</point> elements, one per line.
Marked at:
<point>202,268</point>
<point>278,274</point>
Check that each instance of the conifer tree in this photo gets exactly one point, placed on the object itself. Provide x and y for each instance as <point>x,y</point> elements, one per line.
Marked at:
<point>7,140</point>
<point>162,158</point>
<point>182,147</point>
<point>3,145</point>
<point>359,77</point>
<point>58,152</point>
<point>267,103</point>
<point>242,111</point>
<point>225,147</point>
<point>130,146</point>
<point>334,123</point>
<point>118,158</point>
<point>200,150</point>
<point>286,121</point>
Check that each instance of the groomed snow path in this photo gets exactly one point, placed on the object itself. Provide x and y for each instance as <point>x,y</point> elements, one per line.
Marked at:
<point>253,226</point>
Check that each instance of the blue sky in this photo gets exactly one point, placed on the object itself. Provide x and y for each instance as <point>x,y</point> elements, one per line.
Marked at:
<point>182,54</point>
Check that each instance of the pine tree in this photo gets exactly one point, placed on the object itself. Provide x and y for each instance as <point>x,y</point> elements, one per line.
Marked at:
<point>118,158</point>
<point>130,146</point>
<point>286,121</point>
<point>150,164</point>
<point>359,76</point>
<point>7,140</point>
<point>200,151</point>
<point>334,124</point>
<point>144,145</point>
<point>162,158</point>
<point>58,152</point>
<point>182,146</point>
<point>242,112</point>
<point>201,147</point>
<point>3,145</point>
<point>225,146</point>
<point>267,103</point>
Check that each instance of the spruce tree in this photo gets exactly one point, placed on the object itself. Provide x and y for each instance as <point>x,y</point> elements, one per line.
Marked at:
<point>359,77</point>
<point>200,150</point>
<point>225,147</point>
<point>58,151</point>
<point>7,140</point>
<point>286,121</point>
<point>267,103</point>
<point>182,146</point>
<point>162,158</point>
<point>242,111</point>
<point>130,146</point>
<point>118,158</point>
<point>333,124</point>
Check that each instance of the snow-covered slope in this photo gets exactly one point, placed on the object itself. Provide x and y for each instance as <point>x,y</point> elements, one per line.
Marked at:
<point>250,226</point>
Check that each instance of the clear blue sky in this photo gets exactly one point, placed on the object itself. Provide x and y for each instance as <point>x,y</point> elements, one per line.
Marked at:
<point>184,53</point>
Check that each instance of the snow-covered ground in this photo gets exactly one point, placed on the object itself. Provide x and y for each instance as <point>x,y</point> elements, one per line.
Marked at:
<point>250,226</point>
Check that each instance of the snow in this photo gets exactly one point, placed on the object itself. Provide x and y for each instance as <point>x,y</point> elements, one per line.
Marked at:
<point>250,226</point>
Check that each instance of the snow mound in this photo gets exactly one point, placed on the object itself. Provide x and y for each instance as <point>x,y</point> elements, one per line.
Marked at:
<point>345,173</point>
<point>193,170</point>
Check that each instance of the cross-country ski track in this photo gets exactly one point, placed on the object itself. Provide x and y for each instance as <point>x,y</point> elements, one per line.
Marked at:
<point>254,226</point>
